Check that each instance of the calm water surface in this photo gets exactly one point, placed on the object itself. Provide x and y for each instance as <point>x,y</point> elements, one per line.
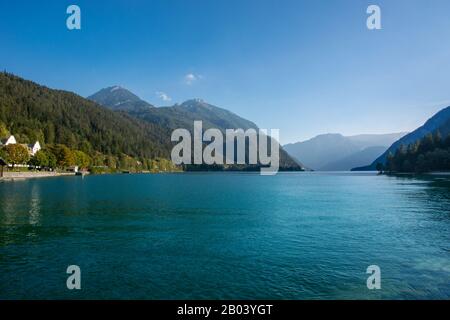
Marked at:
<point>226,236</point>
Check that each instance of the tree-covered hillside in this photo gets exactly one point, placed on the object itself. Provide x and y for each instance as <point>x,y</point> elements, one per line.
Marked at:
<point>184,115</point>
<point>440,122</point>
<point>120,139</point>
<point>32,112</point>
<point>431,153</point>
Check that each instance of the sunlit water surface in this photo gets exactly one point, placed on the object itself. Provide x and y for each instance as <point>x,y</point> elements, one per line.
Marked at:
<point>226,236</point>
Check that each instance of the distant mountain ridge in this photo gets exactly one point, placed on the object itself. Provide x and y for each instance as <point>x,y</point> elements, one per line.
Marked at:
<point>347,163</point>
<point>335,152</point>
<point>440,122</point>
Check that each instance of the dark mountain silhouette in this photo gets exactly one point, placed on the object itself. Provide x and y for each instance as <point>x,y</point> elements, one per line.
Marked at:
<point>440,122</point>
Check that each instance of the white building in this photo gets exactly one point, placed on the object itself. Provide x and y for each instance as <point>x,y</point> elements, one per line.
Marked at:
<point>33,148</point>
<point>9,140</point>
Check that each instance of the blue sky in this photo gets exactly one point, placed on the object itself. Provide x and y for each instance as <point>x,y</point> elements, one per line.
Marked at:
<point>305,67</point>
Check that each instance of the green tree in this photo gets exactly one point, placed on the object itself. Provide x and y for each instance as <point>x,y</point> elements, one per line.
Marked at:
<point>22,138</point>
<point>40,159</point>
<point>49,133</point>
<point>431,153</point>
<point>52,162</point>
<point>16,154</point>
<point>4,132</point>
<point>111,162</point>
<point>64,156</point>
<point>2,153</point>
<point>82,160</point>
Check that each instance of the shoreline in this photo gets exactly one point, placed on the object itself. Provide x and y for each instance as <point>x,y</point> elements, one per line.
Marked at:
<point>431,173</point>
<point>19,176</point>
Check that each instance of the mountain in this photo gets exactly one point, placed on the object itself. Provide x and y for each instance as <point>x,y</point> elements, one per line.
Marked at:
<point>183,116</point>
<point>370,140</point>
<point>337,152</point>
<point>320,150</point>
<point>429,154</point>
<point>118,98</point>
<point>440,122</point>
<point>33,112</point>
<point>356,159</point>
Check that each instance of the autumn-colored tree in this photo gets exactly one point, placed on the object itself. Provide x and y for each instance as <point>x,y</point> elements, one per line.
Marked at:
<point>64,156</point>
<point>16,154</point>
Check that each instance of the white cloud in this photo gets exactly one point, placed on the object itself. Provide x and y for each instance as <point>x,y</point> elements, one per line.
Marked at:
<point>190,78</point>
<point>163,96</point>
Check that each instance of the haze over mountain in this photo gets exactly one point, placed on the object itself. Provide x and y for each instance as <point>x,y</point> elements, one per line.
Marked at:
<point>440,122</point>
<point>347,163</point>
<point>332,152</point>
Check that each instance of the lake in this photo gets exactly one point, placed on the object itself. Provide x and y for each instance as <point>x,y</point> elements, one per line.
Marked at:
<point>226,236</point>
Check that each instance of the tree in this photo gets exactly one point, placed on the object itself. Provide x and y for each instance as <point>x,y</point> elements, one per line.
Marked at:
<point>111,162</point>
<point>64,156</point>
<point>22,138</point>
<point>40,159</point>
<point>3,153</point>
<point>44,158</point>
<point>82,160</point>
<point>51,160</point>
<point>16,154</point>
<point>3,131</point>
<point>431,153</point>
<point>49,133</point>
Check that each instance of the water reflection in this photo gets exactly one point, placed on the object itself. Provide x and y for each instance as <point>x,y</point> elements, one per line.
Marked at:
<point>433,191</point>
<point>35,200</point>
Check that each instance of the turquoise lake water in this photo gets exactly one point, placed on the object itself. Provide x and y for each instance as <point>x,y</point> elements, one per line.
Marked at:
<point>226,236</point>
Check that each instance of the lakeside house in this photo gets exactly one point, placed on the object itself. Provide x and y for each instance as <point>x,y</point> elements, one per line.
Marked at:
<point>32,148</point>
<point>9,140</point>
